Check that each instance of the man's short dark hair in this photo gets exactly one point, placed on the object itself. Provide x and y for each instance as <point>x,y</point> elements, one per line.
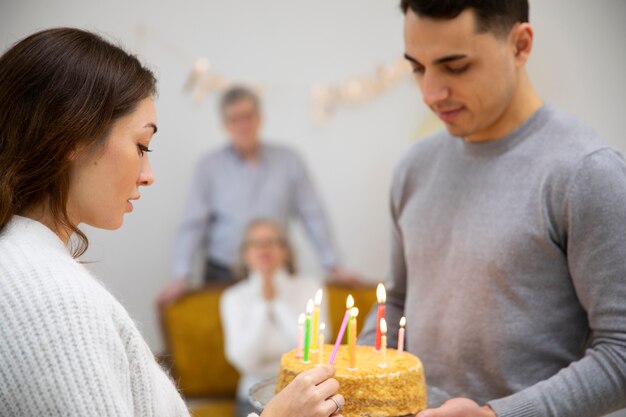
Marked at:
<point>497,16</point>
<point>237,93</point>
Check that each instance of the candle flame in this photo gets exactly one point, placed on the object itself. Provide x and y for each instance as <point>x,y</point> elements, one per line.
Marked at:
<point>380,293</point>
<point>403,321</point>
<point>349,302</point>
<point>301,318</point>
<point>309,306</point>
<point>318,297</point>
<point>354,311</point>
<point>322,327</point>
<point>383,326</point>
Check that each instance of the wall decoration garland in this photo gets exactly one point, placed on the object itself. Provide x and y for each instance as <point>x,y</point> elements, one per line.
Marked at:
<point>325,98</point>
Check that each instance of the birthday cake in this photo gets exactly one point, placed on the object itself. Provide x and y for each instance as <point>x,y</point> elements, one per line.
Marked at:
<point>370,390</point>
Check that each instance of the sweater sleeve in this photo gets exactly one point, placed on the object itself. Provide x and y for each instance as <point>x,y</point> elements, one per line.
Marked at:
<point>60,353</point>
<point>595,227</point>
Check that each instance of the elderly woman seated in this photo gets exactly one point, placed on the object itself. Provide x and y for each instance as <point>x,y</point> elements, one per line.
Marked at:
<point>260,313</point>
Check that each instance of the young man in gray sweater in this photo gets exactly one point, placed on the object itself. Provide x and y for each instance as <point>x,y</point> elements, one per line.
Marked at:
<point>508,250</point>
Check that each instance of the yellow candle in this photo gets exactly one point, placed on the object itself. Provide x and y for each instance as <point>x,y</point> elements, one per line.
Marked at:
<point>383,342</point>
<point>354,312</point>
<point>316,319</point>
<point>321,344</point>
<point>349,305</point>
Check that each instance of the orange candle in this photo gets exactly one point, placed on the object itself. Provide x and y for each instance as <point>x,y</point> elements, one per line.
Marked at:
<point>354,312</point>
<point>349,305</point>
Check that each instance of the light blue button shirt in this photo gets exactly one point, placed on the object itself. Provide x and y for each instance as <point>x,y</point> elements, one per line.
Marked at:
<point>227,192</point>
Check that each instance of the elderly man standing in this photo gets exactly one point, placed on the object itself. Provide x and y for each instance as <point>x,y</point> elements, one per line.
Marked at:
<point>244,180</point>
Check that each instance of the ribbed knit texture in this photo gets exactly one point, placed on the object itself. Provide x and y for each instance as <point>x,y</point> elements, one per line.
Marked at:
<point>67,347</point>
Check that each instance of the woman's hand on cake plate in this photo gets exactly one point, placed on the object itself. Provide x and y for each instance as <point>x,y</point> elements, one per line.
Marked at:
<point>459,407</point>
<point>312,393</point>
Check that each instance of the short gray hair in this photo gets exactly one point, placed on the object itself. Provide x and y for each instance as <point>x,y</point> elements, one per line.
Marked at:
<point>238,93</point>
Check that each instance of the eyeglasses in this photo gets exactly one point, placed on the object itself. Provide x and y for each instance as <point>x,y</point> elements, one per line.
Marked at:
<point>264,243</point>
<point>240,117</point>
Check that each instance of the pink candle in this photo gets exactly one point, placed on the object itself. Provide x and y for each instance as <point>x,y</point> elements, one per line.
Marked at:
<point>401,335</point>
<point>300,335</point>
<point>342,329</point>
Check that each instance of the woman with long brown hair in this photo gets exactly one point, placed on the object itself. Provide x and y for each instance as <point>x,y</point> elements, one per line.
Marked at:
<point>76,120</point>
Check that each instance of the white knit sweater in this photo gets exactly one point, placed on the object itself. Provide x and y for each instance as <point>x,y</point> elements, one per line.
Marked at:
<point>67,347</point>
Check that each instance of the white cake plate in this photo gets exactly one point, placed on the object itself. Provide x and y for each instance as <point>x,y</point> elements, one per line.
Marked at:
<point>261,393</point>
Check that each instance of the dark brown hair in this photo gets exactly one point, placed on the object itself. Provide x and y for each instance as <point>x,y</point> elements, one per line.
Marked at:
<point>60,92</point>
<point>241,269</point>
<point>497,16</point>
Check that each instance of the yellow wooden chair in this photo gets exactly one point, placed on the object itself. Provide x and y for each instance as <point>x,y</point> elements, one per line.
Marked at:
<point>194,342</point>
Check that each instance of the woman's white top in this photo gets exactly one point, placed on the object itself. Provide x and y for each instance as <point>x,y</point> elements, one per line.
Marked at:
<point>67,347</point>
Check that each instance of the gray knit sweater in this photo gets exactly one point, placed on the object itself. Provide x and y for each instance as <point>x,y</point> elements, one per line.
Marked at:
<point>67,347</point>
<point>509,260</point>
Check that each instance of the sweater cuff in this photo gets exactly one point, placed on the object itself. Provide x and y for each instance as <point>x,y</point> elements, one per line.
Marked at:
<point>516,405</point>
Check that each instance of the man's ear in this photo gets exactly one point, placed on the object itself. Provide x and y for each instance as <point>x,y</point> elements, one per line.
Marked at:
<point>521,40</point>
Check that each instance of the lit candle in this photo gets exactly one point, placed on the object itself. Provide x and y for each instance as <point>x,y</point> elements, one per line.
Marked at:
<point>321,343</point>
<point>342,329</point>
<point>316,319</point>
<point>352,337</point>
<point>349,305</point>
<point>307,331</point>
<point>300,335</point>
<point>381,295</point>
<point>401,335</point>
<point>383,342</point>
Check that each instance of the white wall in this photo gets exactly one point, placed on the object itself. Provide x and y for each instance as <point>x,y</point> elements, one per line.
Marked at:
<point>579,63</point>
